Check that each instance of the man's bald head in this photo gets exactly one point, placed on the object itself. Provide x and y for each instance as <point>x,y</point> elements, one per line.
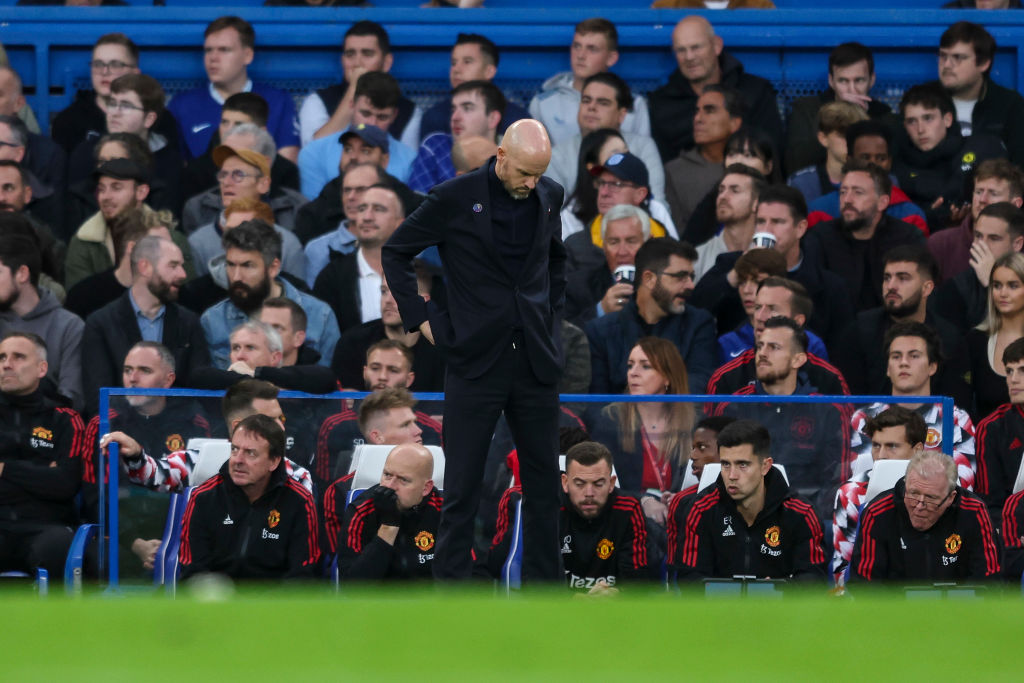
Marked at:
<point>471,152</point>
<point>697,48</point>
<point>523,157</point>
<point>409,471</point>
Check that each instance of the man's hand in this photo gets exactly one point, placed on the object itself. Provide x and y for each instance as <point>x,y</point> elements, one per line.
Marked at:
<point>957,214</point>
<point>616,296</point>
<point>242,368</point>
<point>128,447</point>
<point>981,260</point>
<point>854,98</point>
<point>425,329</point>
<point>146,551</point>
<point>602,589</point>
<point>654,509</point>
<point>733,278</point>
<point>385,502</point>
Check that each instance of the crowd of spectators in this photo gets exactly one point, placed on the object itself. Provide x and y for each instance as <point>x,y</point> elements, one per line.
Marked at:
<point>227,239</point>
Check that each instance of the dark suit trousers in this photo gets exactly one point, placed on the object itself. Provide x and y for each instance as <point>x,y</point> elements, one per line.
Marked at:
<point>471,411</point>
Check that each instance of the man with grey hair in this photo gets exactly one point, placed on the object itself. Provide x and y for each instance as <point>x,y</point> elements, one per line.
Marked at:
<point>926,529</point>
<point>148,311</point>
<point>246,143</point>
<point>702,61</point>
<point>600,279</point>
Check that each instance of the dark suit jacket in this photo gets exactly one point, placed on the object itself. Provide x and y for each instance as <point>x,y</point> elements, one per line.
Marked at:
<point>111,332</point>
<point>474,328</point>
<point>338,286</point>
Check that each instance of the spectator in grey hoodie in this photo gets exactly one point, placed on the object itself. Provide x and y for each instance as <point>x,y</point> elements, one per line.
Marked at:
<point>24,307</point>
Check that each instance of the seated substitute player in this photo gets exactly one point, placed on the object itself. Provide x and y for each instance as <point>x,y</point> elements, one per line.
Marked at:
<point>896,433</point>
<point>999,438</point>
<point>251,520</point>
<point>912,353</point>
<point>388,364</point>
<point>604,537</point>
<point>927,529</point>
<point>386,418</point>
<point>704,451</point>
<point>41,451</point>
<point>750,523</point>
<point>172,472</point>
<point>390,530</point>
<point>1013,536</point>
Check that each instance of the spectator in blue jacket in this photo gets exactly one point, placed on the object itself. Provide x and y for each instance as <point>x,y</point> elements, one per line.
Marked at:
<point>664,281</point>
<point>253,262</point>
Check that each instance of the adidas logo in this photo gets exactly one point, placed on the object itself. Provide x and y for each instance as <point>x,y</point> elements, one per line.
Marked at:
<point>1015,443</point>
<point>227,520</point>
<point>728,531</point>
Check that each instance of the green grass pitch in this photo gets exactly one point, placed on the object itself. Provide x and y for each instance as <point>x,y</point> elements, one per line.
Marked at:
<point>430,636</point>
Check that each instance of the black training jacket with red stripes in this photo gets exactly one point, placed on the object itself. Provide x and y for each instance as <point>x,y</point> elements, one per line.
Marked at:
<point>960,546</point>
<point>365,556</point>
<point>274,537</point>
<point>613,546</point>
<point>784,542</point>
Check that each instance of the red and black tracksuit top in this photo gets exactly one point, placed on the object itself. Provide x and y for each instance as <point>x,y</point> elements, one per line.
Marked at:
<point>274,537</point>
<point>365,556</point>
<point>1013,536</point>
<point>961,546</point>
<point>42,446</point>
<point>998,444</point>
<point>784,542</point>
<point>613,546</point>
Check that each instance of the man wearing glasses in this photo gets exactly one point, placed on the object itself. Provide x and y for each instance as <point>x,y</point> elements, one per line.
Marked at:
<point>664,283</point>
<point>135,103</point>
<point>113,55</point>
<point>926,529</point>
<point>966,53</point>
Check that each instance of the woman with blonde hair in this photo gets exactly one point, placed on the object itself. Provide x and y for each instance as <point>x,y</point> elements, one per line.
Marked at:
<point>650,441</point>
<point>1003,325</point>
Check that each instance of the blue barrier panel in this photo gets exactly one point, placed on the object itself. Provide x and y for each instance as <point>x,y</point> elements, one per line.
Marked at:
<point>109,518</point>
<point>298,49</point>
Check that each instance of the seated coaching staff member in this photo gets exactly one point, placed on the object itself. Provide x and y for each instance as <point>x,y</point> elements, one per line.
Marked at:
<point>604,537</point>
<point>500,238</point>
<point>389,531</point>
<point>251,521</point>
<point>750,523</point>
<point>926,529</point>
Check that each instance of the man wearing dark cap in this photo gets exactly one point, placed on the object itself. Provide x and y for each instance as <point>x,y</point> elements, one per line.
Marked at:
<point>622,179</point>
<point>121,184</point>
<point>376,104</point>
<point>364,143</point>
<point>243,175</point>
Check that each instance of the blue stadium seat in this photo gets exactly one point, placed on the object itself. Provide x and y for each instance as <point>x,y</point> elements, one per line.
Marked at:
<point>73,567</point>
<point>512,570</point>
<point>165,567</point>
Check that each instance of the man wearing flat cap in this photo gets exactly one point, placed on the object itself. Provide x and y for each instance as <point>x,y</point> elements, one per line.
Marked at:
<point>243,176</point>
